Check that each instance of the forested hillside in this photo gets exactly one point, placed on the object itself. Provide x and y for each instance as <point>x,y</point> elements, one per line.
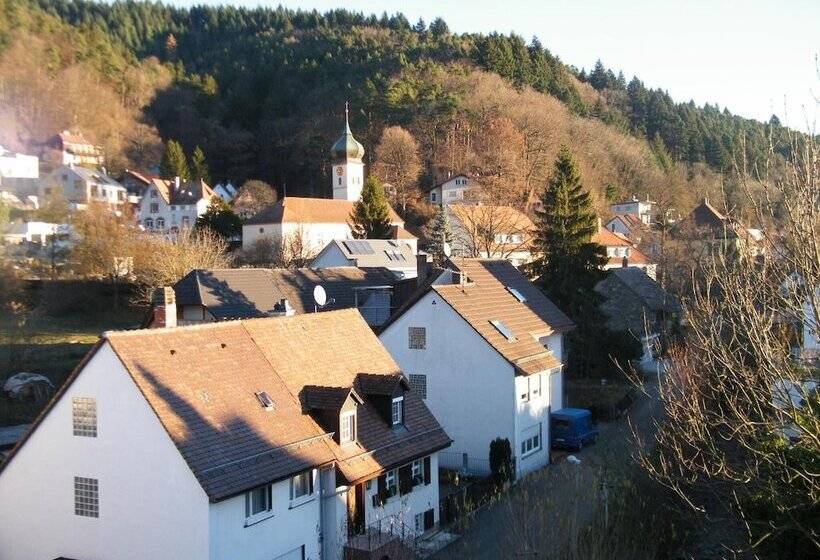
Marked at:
<point>262,91</point>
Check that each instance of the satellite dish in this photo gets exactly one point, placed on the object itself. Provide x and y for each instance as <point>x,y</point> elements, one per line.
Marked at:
<point>319,296</point>
<point>447,250</point>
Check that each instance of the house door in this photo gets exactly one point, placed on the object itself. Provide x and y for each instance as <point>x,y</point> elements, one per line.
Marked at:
<point>355,510</point>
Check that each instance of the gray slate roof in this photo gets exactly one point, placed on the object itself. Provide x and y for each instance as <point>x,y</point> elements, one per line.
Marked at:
<point>241,293</point>
<point>649,291</point>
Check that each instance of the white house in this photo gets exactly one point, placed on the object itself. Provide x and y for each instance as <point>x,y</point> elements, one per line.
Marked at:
<point>391,254</point>
<point>242,439</point>
<point>19,173</point>
<point>491,231</point>
<point>34,232</point>
<point>81,186</point>
<point>457,188</point>
<point>484,348</point>
<point>169,206</point>
<point>315,222</point>
<point>70,147</point>
<point>621,252</point>
<point>627,225</point>
<point>643,209</point>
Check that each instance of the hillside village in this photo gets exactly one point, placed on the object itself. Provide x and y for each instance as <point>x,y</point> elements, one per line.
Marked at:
<point>425,349</point>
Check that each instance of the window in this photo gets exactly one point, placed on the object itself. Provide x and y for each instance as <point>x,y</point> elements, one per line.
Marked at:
<point>418,337</point>
<point>186,222</point>
<point>391,483</point>
<point>173,208</point>
<point>418,383</point>
<point>149,223</point>
<point>502,328</point>
<point>340,180</point>
<point>154,207</point>
<point>86,497</point>
<point>301,486</point>
<point>535,385</point>
<point>516,294</point>
<point>417,472</point>
<point>397,411</point>
<point>153,194</point>
<point>160,223</point>
<point>258,503</point>
<point>265,400</point>
<point>418,523</point>
<point>432,197</point>
<point>347,427</point>
<point>84,412</point>
<point>261,230</point>
<point>531,440</point>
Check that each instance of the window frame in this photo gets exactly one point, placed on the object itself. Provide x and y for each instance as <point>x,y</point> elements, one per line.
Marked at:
<point>84,416</point>
<point>86,497</point>
<point>417,472</point>
<point>297,500</point>
<point>391,488</point>
<point>397,419</point>
<point>347,422</point>
<point>417,343</point>
<point>532,444</point>
<point>252,518</point>
<point>418,383</point>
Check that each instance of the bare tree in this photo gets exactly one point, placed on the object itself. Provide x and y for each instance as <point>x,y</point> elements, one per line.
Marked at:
<point>398,165</point>
<point>490,231</point>
<point>741,433</point>
<point>292,251</point>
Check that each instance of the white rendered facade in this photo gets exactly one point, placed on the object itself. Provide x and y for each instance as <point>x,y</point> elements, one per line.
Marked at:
<point>639,208</point>
<point>454,189</point>
<point>157,215</point>
<point>19,173</point>
<point>472,390</point>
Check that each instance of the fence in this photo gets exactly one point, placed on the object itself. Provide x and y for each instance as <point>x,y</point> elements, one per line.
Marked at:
<point>464,463</point>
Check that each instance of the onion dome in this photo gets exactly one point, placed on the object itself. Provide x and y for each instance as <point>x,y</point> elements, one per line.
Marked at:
<point>347,147</point>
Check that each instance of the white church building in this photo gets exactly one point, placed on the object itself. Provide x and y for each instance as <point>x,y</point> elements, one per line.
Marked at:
<point>315,222</point>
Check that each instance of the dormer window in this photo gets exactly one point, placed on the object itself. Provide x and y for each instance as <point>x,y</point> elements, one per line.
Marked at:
<point>347,427</point>
<point>398,411</point>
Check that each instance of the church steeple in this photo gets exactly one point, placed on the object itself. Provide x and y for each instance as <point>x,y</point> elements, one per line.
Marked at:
<point>348,168</point>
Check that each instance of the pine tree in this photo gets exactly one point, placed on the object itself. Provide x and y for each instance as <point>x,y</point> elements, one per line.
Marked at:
<point>220,219</point>
<point>371,214</point>
<point>569,264</point>
<point>199,169</point>
<point>173,163</point>
<point>440,233</point>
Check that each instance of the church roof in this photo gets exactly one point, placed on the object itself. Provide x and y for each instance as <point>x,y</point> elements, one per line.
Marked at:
<point>347,147</point>
<point>300,210</point>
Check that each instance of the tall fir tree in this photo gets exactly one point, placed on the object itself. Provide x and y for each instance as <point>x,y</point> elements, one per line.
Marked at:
<point>441,232</point>
<point>569,263</point>
<point>220,219</point>
<point>371,214</point>
<point>173,163</point>
<point>198,168</point>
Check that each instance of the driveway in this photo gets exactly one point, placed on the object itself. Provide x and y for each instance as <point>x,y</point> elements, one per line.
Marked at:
<point>542,510</point>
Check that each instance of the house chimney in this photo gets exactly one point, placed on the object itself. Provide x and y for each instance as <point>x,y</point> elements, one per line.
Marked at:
<point>422,266</point>
<point>599,222</point>
<point>625,261</point>
<point>165,308</point>
<point>176,182</point>
<point>282,308</point>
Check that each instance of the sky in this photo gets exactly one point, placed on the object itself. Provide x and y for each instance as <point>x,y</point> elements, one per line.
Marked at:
<point>754,57</point>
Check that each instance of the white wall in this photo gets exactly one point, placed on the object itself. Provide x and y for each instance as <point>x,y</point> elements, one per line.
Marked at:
<point>531,412</point>
<point>172,214</point>
<point>253,232</point>
<point>404,508</point>
<point>288,528</point>
<point>470,387</point>
<point>330,257</point>
<point>334,516</point>
<point>348,185</point>
<point>151,506</point>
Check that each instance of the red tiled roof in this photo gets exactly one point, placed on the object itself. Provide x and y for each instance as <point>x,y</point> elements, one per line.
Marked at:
<point>294,209</point>
<point>610,239</point>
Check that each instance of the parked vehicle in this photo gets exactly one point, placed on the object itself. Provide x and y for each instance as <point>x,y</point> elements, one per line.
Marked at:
<point>572,428</point>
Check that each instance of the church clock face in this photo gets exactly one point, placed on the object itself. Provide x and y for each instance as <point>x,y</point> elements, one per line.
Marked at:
<point>339,170</point>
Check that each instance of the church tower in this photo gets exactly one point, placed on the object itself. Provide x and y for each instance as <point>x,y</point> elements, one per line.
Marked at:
<point>348,168</point>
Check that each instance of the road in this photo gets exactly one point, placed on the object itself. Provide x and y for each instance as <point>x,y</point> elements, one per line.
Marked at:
<point>541,511</point>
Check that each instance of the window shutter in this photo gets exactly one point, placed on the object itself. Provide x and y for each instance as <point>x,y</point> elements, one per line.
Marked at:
<point>429,519</point>
<point>405,480</point>
<point>427,470</point>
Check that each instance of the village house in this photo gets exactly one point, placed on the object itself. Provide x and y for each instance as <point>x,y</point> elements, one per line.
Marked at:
<point>485,349</point>
<point>397,257</point>
<point>642,209</point>
<point>19,173</point>
<point>170,206</point>
<point>706,225</point>
<point>81,186</point>
<point>491,232</point>
<point>70,147</point>
<point>636,303</point>
<point>456,188</point>
<point>629,226</point>
<point>312,223</point>
<point>244,293</point>
<point>287,438</point>
<point>621,252</point>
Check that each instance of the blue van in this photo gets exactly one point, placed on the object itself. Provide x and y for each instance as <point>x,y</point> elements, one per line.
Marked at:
<point>571,428</point>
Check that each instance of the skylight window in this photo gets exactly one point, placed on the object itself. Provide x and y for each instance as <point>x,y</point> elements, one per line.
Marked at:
<point>518,295</point>
<point>502,328</point>
<point>265,400</point>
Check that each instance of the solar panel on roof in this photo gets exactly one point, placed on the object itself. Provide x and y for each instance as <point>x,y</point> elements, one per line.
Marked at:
<point>502,328</point>
<point>358,247</point>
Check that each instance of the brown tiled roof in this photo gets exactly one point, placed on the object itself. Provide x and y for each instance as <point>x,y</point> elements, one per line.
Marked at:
<point>485,298</point>
<point>189,192</point>
<point>609,239</point>
<point>398,232</point>
<point>240,293</point>
<point>348,349</point>
<point>298,210</point>
<point>201,381</point>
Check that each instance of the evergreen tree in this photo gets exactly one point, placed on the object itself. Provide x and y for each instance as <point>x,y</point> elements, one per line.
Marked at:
<point>569,264</point>
<point>440,233</point>
<point>220,219</point>
<point>371,214</point>
<point>173,163</point>
<point>199,169</point>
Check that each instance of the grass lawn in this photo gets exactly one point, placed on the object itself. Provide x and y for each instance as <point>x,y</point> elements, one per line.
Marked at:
<point>51,346</point>
<point>606,402</point>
